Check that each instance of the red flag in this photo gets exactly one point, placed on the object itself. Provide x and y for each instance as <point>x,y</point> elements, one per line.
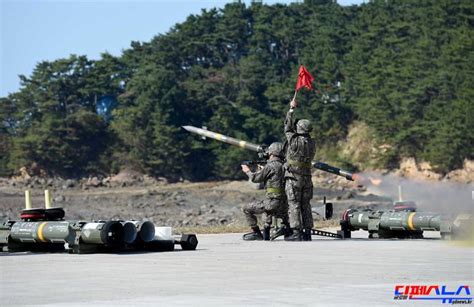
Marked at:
<point>304,79</point>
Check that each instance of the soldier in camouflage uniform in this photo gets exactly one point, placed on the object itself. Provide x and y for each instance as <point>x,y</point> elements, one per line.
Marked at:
<point>275,202</point>
<point>300,151</point>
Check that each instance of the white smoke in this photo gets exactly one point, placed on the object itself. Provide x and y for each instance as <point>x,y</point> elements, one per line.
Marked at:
<point>432,196</point>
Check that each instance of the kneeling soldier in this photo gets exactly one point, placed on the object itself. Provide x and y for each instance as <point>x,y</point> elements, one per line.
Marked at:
<point>272,175</point>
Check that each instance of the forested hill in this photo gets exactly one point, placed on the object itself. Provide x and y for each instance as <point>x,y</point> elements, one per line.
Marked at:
<point>403,69</point>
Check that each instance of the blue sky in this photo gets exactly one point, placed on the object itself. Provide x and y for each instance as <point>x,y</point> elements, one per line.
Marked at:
<point>36,30</point>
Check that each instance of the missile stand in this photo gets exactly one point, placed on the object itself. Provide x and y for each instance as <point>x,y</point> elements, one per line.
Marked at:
<point>325,212</point>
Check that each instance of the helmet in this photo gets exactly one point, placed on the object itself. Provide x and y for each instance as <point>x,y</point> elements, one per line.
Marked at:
<point>275,149</point>
<point>303,126</point>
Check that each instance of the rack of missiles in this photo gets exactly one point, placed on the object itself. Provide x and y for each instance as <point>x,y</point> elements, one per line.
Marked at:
<point>45,230</point>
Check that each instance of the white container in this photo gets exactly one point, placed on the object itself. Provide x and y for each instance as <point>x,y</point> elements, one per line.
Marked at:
<point>163,233</point>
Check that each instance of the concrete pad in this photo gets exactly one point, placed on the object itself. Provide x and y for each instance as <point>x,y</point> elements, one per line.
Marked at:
<point>228,271</point>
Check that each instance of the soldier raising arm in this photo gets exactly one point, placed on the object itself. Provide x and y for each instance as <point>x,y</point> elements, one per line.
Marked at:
<point>299,186</point>
<point>290,127</point>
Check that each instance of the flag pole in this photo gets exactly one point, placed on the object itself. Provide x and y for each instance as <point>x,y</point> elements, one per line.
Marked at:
<point>296,92</point>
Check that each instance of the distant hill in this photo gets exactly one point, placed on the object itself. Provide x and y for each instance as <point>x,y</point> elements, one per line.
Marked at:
<point>403,69</point>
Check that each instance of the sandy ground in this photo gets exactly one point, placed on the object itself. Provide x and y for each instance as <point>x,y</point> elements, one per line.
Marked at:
<point>225,270</point>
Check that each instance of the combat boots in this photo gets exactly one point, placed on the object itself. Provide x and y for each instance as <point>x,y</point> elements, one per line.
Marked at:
<point>307,234</point>
<point>255,235</point>
<point>284,230</point>
<point>266,233</point>
<point>296,236</point>
<point>287,232</point>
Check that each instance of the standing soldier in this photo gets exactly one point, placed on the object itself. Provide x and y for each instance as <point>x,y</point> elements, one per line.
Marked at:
<point>299,187</point>
<point>275,202</point>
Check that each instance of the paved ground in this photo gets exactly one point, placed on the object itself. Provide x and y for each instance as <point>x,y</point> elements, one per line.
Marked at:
<point>227,271</point>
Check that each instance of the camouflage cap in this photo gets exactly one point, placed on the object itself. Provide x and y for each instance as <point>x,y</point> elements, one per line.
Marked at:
<point>275,149</point>
<point>303,126</point>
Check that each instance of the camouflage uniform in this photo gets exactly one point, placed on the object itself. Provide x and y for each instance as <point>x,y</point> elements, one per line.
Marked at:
<point>299,187</point>
<point>275,202</point>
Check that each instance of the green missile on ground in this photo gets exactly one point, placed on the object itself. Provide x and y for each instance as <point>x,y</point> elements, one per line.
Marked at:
<point>108,233</point>
<point>41,232</point>
<point>394,224</point>
<point>37,236</point>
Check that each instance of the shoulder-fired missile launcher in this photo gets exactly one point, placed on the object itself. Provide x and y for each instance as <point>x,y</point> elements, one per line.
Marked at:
<point>261,150</point>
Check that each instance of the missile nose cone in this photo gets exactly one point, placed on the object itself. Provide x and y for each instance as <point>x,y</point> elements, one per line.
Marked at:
<point>187,128</point>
